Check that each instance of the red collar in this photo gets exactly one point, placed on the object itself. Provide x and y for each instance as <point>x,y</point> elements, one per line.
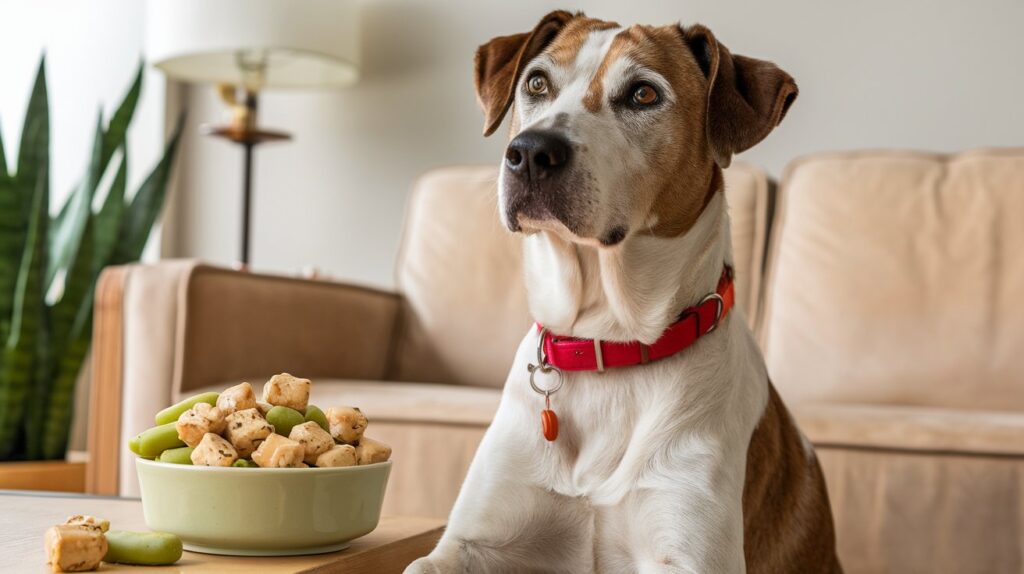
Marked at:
<point>572,354</point>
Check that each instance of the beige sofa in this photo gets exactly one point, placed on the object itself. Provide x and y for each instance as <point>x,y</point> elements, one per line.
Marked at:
<point>888,302</point>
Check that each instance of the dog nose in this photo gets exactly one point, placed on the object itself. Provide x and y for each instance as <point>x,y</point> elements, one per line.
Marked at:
<point>537,154</point>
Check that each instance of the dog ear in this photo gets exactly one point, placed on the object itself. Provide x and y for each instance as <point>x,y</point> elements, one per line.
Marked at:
<point>747,97</point>
<point>499,62</point>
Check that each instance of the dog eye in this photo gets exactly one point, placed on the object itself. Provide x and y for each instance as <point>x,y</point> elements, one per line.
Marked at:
<point>644,94</point>
<point>537,84</point>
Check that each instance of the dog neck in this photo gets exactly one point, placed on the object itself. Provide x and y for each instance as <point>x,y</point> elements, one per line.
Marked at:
<point>630,292</point>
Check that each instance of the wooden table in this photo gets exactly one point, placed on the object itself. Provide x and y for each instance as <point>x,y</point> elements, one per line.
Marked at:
<point>25,516</point>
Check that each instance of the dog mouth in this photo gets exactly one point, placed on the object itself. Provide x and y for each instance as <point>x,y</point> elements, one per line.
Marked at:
<point>565,207</point>
<point>528,225</point>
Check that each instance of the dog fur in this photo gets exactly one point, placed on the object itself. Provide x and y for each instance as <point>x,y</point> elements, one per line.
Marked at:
<point>687,464</point>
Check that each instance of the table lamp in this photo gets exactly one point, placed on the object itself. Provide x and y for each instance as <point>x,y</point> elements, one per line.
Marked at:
<point>245,46</point>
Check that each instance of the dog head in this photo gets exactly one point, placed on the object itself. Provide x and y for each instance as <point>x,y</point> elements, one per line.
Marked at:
<point>620,130</point>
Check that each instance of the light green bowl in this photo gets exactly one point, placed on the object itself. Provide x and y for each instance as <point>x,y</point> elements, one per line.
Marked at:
<point>262,511</point>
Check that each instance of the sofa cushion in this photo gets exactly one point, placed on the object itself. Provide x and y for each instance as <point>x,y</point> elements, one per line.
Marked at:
<point>940,513</point>
<point>461,276</point>
<point>460,273</point>
<point>912,429</point>
<point>747,194</point>
<point>896,278</point>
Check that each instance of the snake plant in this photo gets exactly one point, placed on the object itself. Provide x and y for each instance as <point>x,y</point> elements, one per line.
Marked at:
<point>49,266</point>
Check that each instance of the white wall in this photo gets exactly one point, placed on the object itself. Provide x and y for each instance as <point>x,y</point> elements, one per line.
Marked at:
<point>929,74</point>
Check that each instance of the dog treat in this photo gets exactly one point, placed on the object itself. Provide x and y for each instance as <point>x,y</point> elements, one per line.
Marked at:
<point>213,451</point>
<point>314,440</point>
<point>287,391</point>
<point>338,455</point>
<point>171,413</point>
<point>181,455</point>
<point>154,441</point>
<point>313,413</point>
<point>283,419</point>
<point>278,452</point>
<point>246,430</point>
<point>237,398</point>
<point>142,548</point>
<point>232,428</point>
<point>347,424</point>
<point>370,451</point>
<point>74,547</point>
<point>199,420</point>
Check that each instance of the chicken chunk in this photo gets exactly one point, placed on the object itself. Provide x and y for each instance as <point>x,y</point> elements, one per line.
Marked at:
<point>314,440</point>
<point>213,450</point>
<point>287,391</point>
<point>278,452</point>
<point>199,420</point>
<point>347,423</point>
<point>74,547</point>
<point>246,429</point>
<point>370,451</point>
<point>236,398</point>
<point>338,455</point>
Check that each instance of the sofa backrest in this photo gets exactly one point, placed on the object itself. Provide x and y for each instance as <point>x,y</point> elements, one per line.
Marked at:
<point>898,278</point>
<point>460,272</point>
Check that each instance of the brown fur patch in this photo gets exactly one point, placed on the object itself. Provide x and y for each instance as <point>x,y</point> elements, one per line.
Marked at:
<point>787,520</point>
<point>682,174</point>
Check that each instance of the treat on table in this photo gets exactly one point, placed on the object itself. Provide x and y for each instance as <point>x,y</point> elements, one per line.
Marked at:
<point>82,542</point>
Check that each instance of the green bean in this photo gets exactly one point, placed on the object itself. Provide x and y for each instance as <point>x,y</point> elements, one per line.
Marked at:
<point>133,444</point>
<point>313,413</point>
<point>143,548</point>
<point>283,419</point>
<point>180,455</point>
<point>245,463</point>
<point>154,441</point>
<point>171,413</point>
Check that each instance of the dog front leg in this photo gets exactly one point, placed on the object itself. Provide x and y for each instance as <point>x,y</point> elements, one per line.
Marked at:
<point>504,522</point>
<point>675,531</point>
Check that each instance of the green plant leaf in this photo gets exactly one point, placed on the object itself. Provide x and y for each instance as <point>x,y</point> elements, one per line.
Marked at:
<point>19,352</point>
<point>118,128</point>
<point>12,245</point>
<point>107,222</point>
<point>3,155</point>
<point>17,195</point>
<point>66,236</point>
<point>56,421</point>
<point>142,212</point>
<point>34,149</point>
<point>49,420</point>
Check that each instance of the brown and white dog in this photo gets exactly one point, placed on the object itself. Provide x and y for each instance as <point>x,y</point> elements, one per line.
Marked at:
<point>690,463</point>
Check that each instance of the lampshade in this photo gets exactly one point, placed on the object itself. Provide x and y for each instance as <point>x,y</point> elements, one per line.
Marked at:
<point>302,43</point>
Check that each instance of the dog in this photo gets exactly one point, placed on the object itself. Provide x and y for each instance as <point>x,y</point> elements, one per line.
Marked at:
<point>661,444</point>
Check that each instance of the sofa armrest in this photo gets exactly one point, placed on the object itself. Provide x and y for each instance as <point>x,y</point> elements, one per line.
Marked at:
<point>163,330</point>
<point>912,429</point>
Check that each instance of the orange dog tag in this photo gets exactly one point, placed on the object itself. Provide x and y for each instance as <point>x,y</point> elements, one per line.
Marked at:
<point>549,424</point>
